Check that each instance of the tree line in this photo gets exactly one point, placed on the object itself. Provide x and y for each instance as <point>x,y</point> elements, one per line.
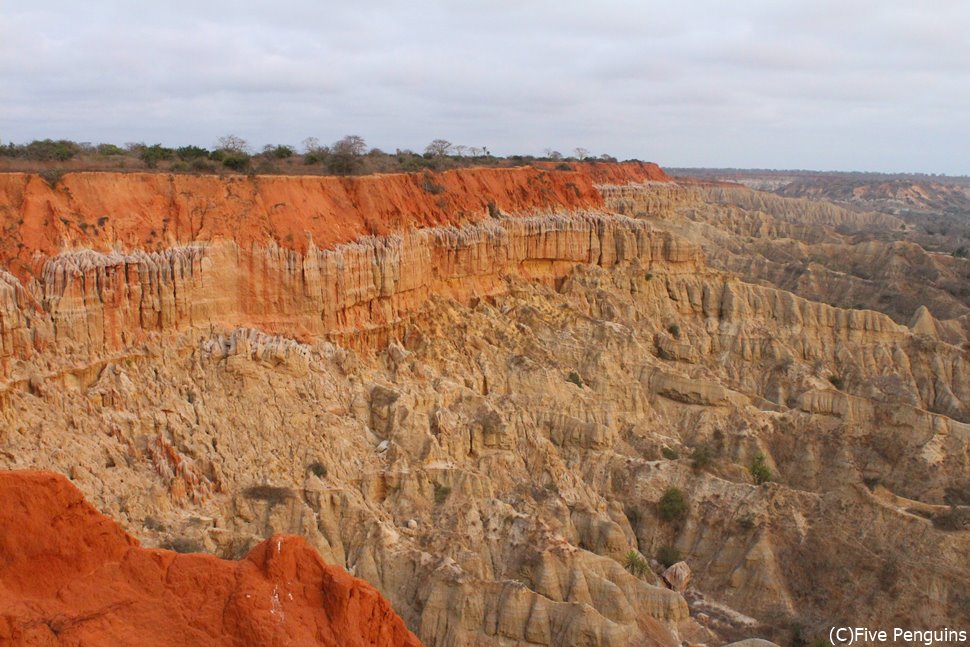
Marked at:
<point>349,155</point>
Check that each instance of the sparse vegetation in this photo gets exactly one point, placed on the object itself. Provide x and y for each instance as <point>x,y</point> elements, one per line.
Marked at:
<point>441,493</point>
<point>668,555</point>
<point>236,161</point>
<point>318,469</point>
<point>672,505</point>
<point>183,545</point>
<point>669,453</point>
<point>430,186</point>
<point>280,152</point>
<point>674,330</point>
<point>269,493</point>
<point>702,456</point>
<point>952,520</point>
<point>438,148</point>
<point>152,155</point>
<point>575,379</point>
<point>231,153</point>
<point>636,563</point>
<point>52,176</point>
<point>152,523</point>
<point>759,469</point>
<point>837,381</point>
<point>189,153</point>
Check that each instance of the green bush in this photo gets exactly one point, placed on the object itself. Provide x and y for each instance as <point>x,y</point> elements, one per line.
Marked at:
<point>109,150</point>
<point>636,564</point>
<point>672,505</point>
<point>343,163</point>
<point>152,155</point>
<point>702,456</point>
<point>668,555</point>
<point>236,161</point>
<point>669,453</point>
<point>48,149</point>
<point>575,379</point>
<point>202,166</point>
<point>759,470</point>
<point>674,330</point>
<point>189,153</point>
<point>280,152</point>
<point>441,493</point>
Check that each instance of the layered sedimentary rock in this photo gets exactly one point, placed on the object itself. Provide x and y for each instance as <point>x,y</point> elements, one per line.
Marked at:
<point>818,250</point>
<point>481,416</point>
<point>71,576</point>
<point>93,302</point>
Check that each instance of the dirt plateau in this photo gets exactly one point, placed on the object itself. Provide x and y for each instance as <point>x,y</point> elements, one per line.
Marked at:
<point>472,390</point>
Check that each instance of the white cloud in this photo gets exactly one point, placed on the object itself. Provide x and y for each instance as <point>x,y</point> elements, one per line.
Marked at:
<point>822,84</point>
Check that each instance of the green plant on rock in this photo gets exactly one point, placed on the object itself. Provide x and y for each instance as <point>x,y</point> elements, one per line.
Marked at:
<point>636,563</point>
<point>575,379</point>
<point>668,555</point>
<point>673,505</point>
<point>669,453</point>
<point>759,469</point>
<point>702,456</point>
<point>441,493</point>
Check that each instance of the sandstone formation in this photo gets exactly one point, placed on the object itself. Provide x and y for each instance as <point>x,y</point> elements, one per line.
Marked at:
<point>70,576</point>
<point>824,252</point>
<point>479,410</point>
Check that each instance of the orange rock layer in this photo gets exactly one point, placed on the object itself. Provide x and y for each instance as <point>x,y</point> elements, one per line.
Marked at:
<point>151,211</point>
<point>71,576</point>
<point>227,261</point>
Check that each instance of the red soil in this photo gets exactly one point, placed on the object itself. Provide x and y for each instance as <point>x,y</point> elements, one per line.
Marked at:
<point>151,211</point>
<point>71,576</point>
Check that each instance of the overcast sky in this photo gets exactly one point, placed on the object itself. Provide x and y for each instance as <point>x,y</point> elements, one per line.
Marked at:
<point>820,84</point>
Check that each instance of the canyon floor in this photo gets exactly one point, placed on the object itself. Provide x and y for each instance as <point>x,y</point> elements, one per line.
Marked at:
<point>503,397</point>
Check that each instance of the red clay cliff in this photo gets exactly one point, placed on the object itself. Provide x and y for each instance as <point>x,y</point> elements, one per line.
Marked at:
<point>71,576</point>
<point>149,211</point>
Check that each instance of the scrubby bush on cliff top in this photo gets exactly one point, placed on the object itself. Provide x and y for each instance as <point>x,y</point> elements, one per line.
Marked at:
<point>348,155</point>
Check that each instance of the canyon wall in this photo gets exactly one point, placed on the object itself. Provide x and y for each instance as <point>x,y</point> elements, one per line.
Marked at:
<point>474,390</point>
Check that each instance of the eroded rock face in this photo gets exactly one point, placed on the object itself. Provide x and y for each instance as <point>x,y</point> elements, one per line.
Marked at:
<point>481,418</point>
<point>69,575</point>
<point>91,302</point>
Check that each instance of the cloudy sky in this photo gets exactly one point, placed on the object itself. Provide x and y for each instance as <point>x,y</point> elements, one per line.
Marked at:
<point>847,84</point>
